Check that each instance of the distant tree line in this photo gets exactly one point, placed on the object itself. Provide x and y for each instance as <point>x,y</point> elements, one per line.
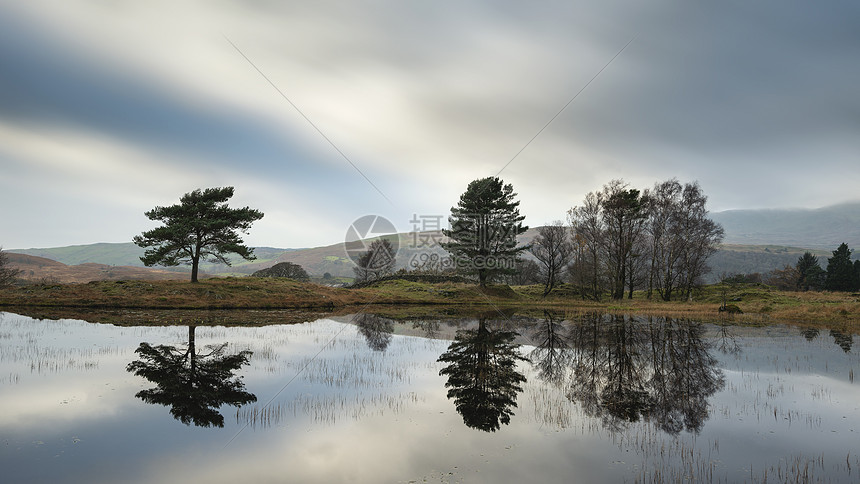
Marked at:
<point>807,274</point>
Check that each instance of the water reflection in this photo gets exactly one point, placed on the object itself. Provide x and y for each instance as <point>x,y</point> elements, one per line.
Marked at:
<point>335,410</point>
<point>625,370</point>
<point>843,340</point>
<point>376,330</point>
<point>194,385</point>
<point>483,380</point>
<point>809,333</point>
<point>552,353</point>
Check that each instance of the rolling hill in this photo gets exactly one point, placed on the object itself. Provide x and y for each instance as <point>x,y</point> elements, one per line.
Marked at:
<point>40,269</point>
<point>756,241</point>
<point>128,254</point>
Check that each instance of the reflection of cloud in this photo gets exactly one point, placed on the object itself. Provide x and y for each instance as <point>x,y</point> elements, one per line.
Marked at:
<point>61,403</point>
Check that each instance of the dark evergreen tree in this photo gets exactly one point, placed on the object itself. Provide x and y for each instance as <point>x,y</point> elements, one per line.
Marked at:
<point>840,271</point>
<point>811,275</point>
<point>201,227</point>
<point>483,230</point>
<point>857,275</point>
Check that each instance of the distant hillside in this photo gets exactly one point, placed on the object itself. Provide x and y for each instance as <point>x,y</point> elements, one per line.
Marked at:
<point>40,269</point>
<point>822,228</point>
<point>749,259</point>
<point>756,241</point>
<point>128,254</point>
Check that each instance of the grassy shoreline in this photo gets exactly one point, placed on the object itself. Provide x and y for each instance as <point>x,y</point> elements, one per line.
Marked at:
<point>760,304</point>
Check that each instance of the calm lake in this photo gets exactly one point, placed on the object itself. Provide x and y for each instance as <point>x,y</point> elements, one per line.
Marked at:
<point>484,399</point>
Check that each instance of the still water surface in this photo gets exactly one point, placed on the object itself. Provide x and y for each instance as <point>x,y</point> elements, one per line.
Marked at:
<point>473,400</point>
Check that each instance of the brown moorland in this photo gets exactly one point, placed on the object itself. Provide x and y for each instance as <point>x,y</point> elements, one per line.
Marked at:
<point>38,269</point>
<point>760,304</point>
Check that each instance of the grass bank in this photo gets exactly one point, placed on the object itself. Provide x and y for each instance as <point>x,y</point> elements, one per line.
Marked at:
<point>760,304</point>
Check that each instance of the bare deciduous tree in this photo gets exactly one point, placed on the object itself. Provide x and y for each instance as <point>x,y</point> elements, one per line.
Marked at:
<point>588,235</point>
<point>553,250</point>
<point>660,240</point>
<point>377,262</point>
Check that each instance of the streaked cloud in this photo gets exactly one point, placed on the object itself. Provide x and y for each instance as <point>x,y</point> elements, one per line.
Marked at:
<point>109,108</point>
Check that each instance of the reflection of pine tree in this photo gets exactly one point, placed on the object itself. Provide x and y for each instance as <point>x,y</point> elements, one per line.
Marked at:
<point>482,375</point>
<point>193,385</point>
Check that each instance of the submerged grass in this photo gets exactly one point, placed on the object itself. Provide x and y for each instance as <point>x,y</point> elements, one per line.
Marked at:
<point>760,304</point>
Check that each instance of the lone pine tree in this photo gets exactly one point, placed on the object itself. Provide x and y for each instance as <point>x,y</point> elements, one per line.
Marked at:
<point>201,227</point>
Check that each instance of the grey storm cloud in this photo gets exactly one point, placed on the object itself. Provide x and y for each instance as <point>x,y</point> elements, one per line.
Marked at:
<point>746,97</point>
<point>44,83</point>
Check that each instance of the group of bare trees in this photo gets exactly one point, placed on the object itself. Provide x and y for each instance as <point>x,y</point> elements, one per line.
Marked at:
<point>658,240</point>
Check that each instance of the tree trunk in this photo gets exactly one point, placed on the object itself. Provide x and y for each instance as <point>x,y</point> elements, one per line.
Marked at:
<point>550,283</point>
<point>195,262</point>
<point>192,354</point>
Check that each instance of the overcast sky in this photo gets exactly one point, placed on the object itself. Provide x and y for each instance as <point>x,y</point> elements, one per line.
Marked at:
<point>109,108</point>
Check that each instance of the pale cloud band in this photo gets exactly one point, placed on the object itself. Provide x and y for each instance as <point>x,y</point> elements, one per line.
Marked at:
<point>107,109</point>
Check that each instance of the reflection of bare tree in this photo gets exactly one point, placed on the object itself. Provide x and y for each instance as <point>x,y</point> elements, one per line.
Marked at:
<point>727,342</point>
<point>375,329</point>
<point>659,370</point>
<point>430,328</point>
<point>623,394</point>
<point>684,375</point>
<point>552,350</point>
<point>844,340</point>
<point>809,333</point>
<point>194,385</point>
<point>482,375</point>
<point>588,363</point>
